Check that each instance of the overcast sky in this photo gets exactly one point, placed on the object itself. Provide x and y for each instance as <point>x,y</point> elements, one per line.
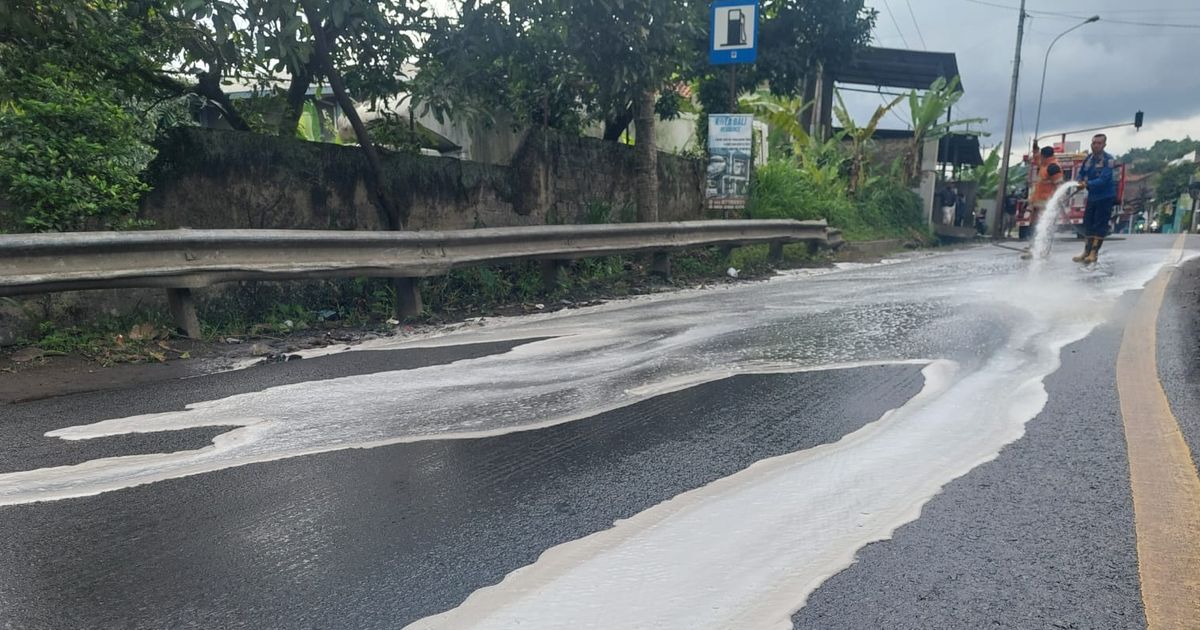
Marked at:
<point>1098,74</point>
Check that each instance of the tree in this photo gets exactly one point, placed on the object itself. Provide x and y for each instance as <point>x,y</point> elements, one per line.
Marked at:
<point>639,46</point>
<point>358,46</point>
<point>563,64</point>
<point>799,37</point>
<point>1157,156</point>
<point>503,57</point>
<point>1174,180</point>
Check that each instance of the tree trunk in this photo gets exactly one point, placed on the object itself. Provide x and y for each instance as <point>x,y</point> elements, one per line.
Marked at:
<point>208,85</point>
<point>324,62</point>
<point>808,103</point>
<point>297,94</point>
<point>646,157</point>
<point>616,126</point>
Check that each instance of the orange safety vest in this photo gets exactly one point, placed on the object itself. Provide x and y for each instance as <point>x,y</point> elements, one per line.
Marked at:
<point>1046,184</point>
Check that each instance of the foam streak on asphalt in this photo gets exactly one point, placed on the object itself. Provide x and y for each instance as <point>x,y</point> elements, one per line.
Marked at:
<point>744,551</point>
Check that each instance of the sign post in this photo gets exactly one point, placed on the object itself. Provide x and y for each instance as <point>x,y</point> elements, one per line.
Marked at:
<point>733,32</point>
<point>733,39</point>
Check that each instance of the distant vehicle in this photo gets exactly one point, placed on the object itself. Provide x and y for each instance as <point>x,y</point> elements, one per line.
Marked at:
<point>1122,226</point>
<point>1070,220</point>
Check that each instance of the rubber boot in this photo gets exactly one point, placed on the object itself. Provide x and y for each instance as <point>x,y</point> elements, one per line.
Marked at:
<point>1095,254</point>
<point>1087,251</point>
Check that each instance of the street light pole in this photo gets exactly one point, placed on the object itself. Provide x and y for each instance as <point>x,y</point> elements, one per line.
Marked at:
<point>996,225</point>
<point>1038,122</point>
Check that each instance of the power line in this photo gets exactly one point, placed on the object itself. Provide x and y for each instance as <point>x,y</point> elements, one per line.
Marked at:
<point>1075,16</point>
<point>918,26</point>
<point>894,23</point>
<point>1156,24</point>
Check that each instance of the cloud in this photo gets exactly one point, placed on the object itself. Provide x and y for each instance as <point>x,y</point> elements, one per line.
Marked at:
<point>1096,75</point>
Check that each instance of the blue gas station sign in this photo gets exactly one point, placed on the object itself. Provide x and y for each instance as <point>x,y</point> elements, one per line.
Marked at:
<point>733,32</point>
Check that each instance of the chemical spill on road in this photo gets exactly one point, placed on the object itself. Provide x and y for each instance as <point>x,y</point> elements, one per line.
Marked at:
<point>744,551</point>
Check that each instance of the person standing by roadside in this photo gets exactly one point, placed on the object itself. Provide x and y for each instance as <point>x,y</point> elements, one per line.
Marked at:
<point>1096,176</point>
<point>948,199</point>
<point>961,212</point>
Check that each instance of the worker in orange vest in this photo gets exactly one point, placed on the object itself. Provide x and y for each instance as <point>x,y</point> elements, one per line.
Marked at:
<point>1048,176</point>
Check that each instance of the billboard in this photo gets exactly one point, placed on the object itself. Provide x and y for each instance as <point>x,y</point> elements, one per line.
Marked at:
<point>730,137</point>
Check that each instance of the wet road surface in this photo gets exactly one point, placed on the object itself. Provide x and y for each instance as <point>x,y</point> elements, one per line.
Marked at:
<point>751,442</point>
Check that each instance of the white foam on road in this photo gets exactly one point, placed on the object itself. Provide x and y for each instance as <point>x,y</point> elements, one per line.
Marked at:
<point>599,360</point>
<point>745,551</point>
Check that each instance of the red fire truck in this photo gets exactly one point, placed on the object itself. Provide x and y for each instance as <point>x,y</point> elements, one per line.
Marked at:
<point>1070,218</point>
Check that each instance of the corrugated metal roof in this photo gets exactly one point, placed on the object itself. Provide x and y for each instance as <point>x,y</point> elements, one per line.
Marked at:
<point>897,67</point>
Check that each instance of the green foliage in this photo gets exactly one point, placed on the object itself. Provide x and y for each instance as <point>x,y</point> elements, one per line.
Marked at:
<point>810,189</point>
<point>782,114</point>
<point>987,174</point>
<point>70,154</point>
<point>751,261</point>
<point>891,209</point>
<point>860,138</point>
<point>396,133</point>
<point>1161,152</point>
<point>1173,181</point>
<point>597,212</point>
<point>557,63</point>
<point>138,337</point>
<point>796,36</point>
<point>927,110</point>
<point>250,308</point>
<point>784,190</point>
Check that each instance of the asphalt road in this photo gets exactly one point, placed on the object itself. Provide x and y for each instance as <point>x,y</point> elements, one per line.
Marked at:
<point>935,443</point>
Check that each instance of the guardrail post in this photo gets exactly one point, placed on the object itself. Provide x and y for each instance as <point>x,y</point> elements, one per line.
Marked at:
<point>660,265</point>
<point>183,310</point>
<point>550,270</point>
<point>775,253</point>
<point>408,297</point>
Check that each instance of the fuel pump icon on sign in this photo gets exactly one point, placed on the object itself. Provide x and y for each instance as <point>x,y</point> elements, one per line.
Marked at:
<point>735,31</point>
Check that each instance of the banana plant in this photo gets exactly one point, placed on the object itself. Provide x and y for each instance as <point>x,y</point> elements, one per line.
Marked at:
<point>927,110</point>
<point>780,112</point>
<point>860,138</point>
<point>987,175</point>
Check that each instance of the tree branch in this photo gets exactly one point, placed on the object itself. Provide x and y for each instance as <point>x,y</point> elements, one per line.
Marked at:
<point>324,63</point>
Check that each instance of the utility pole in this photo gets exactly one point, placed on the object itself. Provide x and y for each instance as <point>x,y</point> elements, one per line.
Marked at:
<point>993,217</point>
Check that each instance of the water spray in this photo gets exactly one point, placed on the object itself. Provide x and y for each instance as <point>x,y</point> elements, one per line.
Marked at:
<point>1043,237</point>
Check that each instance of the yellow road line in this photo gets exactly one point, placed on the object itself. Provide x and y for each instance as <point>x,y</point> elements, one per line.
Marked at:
<point>1166,488</point>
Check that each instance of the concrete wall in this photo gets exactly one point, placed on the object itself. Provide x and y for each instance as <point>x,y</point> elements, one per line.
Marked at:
<point>205,178</point>
<point>208,178</point>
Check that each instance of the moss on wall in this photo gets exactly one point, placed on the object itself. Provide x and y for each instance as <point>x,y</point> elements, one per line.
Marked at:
<point>207,178</point>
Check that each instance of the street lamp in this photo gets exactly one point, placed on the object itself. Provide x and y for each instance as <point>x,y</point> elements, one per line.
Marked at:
<point>1037,124</point>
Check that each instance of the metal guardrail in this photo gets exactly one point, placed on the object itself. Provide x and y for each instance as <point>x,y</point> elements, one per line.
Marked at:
<point>180,260</point>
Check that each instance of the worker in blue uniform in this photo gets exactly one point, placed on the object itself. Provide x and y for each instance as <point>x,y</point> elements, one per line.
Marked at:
<point>1096,175</point>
